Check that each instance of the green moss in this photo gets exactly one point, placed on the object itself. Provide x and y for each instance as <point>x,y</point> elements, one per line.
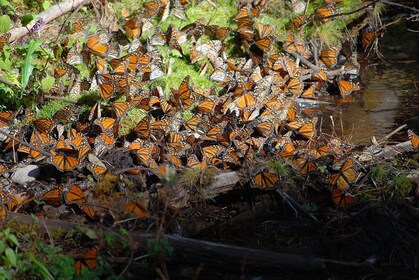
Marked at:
<point>220,16</point>
<point>401,185</point>
<point>378,174</point>
<point>281,168</point>
<point>51,107</point>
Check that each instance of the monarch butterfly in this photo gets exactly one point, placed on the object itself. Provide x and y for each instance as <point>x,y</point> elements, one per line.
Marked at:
<point>137,209</point>
<point>319,151</point>
<point>59,72</point>
<point>173,39</point>
<point>206,107</point>
<point>120,109</point>
<point>345,177</point>
<point>213,133</point>
<point>144,154</point>
<point>98,171</point>
<point>75,195</point>
<point>66,114</point>
<point>193,162</point>
<point>265,44</point>
<point>193,123</point>
<point>37,156</point>
<point>3,169</point>
<point>244,13</point>
<point>106,124</point>
<point>298,7</point>
<point>265,180</point>
<point>330,56</point>
<point>158,38</point>
<point>307,130</point>
<point>53,197</point>
<point>320,75</point>
<point>304,165</point>
<point>245,30</point>
<point>287,151</point>
<point>4,39</point>
<point>72,57</point>
<point>182,96</point>
<point>297,22</point>
<point>346,87</point>
<point>212,151</point>
<point>16,200</point>
<point>95,112</point>
<point>367,38</point>
<point>323,14</point>
<point>45,125</point>
<point>133,28</point>
<point>265,31</point>
<point>107,85</point>
<point>341,199</point>
<point>88,259</point>
<point>219,33</point>
<point>6,118</point>
<point>75,27</point>
<point>295,86</point>
<point>245,101</point>
<point>89,211</point>
<point>194,55</point>
<point>80,143</point>
<point>156,7</point>
<point>65,159</point>
<point>3,213</point>
<point>264,128</point>
<point>310,92</point>
<point>142,129</point>
<point>413,138</point>
<point>96,44</point>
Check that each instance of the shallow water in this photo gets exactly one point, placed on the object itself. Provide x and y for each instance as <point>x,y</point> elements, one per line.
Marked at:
<point>389,97</point>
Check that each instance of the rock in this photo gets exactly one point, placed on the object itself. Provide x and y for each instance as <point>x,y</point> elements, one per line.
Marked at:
<point>25,174</point>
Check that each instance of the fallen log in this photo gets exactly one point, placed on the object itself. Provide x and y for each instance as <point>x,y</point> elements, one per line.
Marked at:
<point>189,250</point>
<point>181,197</point>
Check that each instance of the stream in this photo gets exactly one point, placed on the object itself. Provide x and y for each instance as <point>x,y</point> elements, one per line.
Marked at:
<point>390,93</point>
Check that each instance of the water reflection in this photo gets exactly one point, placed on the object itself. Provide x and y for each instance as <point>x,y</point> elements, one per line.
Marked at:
<point>389,99</point>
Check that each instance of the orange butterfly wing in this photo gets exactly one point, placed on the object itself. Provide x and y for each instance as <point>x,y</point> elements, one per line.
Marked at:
<point>75,195</point>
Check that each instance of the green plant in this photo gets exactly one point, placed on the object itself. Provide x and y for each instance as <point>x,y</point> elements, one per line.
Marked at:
<point>378,174</point>
<point>401,185</point>
<point>159,249</point>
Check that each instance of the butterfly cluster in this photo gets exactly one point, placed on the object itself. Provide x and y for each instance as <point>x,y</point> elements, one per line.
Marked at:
<point>249,114</point>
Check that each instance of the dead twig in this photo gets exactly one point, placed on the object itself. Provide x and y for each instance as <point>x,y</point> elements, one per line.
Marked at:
<point>385,138</point>
<point>16,87</point>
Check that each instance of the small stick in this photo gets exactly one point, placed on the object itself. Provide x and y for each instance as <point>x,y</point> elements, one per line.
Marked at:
<point>212,3</point>
<point>16,87</point>
<point>391,134</point>
<point>60,98</point>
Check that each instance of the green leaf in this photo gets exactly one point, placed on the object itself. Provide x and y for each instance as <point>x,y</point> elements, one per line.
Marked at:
<point>11,256</point>
<point>26,19</point>
<point>42,268</point>
<point>47,83</point>
<point>27,65</point>
<point>91,233</point>
<point>12,238</point>
<point>5,23</point>
<point>2,246</point>
<point>4,3</point>
<point>46,5</point>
